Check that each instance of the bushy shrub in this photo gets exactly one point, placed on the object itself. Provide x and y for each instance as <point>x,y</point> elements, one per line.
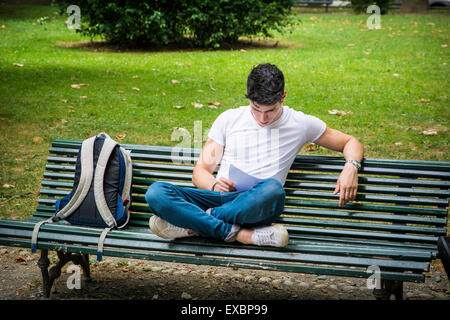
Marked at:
<point>133,23</point>
<point>206,23</point>
<point>216,21</point>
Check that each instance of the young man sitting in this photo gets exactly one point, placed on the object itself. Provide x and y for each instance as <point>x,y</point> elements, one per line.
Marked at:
<point>261,140</point>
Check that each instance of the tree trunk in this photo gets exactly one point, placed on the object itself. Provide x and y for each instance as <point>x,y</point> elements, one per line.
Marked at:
<point>414,6</point>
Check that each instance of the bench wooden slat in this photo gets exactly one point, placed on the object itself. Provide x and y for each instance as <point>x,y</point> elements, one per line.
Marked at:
<point>299,185</point>
<point>340,224</point>
<point>396,228</point>
<point>362,234</point>
<point>400,182</point>
<point>359,234</point>
<point>372,198</point>
<point>366,216</point>
<point>424,251</point>
<point>315,194</point>
<point>316,247</point>
<point>374,171</point>
<point>368,207</point>
<point>166,150</point>
<point>145,240</point>
<point>391,168</point>
<point>418,220</point>
<point>142,221</point>
<point>220,262</point>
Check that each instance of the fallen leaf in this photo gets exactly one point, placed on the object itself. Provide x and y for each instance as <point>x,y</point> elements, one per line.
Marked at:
<point>197,105</point>
<point>186,295</point>
<point>63,100</point>
<point>424,100</point>
<point>430,24</point>
<point>120,91</point>
<point>311,147</point>
<point>7,185</point>
<point>83,97</point>
<point>351,45</point>
<point>75,86</point>
<point>243,50</point>
<point>396,75</point>
<point>20,259</point>
<point>398,143</point>
<point>2,26</point>
<point>178,107</point>
<point>120,136</point>
<point>189,64</point>
<point>339,112</point>
<point>18,64</point>
<point>175,81</point>
<point>444,45</point>
<point>37,139</point>
<point>64,121</point>
<point>135,89</point>
<point>74,79</point>
<point>134,77</point>
<point>212,89</point>
<point>211,106</point>
<point>430,132</point>
<point>216,103</point>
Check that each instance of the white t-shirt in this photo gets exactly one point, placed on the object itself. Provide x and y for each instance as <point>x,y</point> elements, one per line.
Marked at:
<point>263,152</point>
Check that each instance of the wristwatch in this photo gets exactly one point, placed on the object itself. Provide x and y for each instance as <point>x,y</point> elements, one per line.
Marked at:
<point>356,164</point>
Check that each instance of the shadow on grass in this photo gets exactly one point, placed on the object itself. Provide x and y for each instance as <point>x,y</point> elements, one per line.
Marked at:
<point>242,44</point>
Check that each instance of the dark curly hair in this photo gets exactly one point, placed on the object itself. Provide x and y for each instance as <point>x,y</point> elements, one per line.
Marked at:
<point>265,84</point>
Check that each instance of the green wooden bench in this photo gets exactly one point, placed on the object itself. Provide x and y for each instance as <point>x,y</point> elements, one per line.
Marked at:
<point>394,224</point>
<point>312,3</point>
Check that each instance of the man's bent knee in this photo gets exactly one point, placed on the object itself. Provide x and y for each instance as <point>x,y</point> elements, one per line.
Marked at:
<point>155,194</point>
<point>273,190</point>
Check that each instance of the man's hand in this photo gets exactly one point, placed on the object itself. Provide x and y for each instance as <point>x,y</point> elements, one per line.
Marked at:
<point>347,184</point>
<point>225,185</point>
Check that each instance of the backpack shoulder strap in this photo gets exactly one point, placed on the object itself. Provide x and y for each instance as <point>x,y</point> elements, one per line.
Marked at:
<point>126,192</point>
<point>87,171</point>
<point>100,201</point>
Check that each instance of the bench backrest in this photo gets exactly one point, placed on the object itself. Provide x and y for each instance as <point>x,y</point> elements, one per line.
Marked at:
<point>399,201</point>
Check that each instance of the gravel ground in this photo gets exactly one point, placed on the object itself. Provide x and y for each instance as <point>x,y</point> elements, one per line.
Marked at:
<point>116,278</point>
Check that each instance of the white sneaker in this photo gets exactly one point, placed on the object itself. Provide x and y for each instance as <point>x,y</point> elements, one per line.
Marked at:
<point>166,230</point>
<point>275,236</point>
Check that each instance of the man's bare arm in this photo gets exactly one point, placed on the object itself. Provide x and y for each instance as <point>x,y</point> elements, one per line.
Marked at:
<point>352,149</point>
<point>210,157</point>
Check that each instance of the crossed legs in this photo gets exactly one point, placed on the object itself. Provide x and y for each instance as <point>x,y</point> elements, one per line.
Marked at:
<point>232,214</point>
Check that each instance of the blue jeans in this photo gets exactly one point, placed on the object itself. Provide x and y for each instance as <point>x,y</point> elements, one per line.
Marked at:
<point>185,207</point>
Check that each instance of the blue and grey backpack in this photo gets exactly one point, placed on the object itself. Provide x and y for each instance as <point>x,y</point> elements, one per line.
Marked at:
<point>101,193</point>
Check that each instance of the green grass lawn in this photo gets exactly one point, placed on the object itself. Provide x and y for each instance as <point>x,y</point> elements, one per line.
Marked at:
<point>393,80</point>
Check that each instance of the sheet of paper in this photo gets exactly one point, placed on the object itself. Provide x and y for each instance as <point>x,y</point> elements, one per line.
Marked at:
<point>242,180</point>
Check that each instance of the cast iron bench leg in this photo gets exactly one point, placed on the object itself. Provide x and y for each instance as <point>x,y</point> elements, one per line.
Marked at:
<point>43,264</point>
<point>49,276</point>
<point>389,287</point>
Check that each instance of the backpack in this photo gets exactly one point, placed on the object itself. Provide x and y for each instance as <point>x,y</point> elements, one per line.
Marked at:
<point>101,193</point>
